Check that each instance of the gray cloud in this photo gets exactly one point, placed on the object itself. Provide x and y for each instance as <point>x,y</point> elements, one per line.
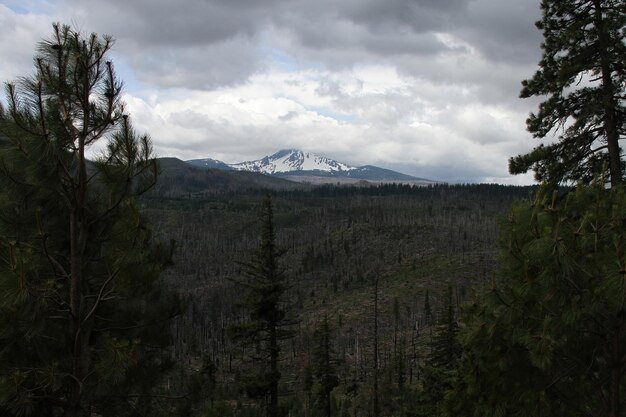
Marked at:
<point>197,67</point>
<point>165,23</point>
<point>18,37</point>
<point>504,31</point>
<point>421,15</point>
<point>288,116</point>
<point>236,79</point>
<point>220,36</point>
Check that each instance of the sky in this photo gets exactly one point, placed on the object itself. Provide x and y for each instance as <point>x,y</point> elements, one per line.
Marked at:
<point>426,87</point>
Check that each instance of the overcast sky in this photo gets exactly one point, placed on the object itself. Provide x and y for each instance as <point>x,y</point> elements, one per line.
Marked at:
<point>426,87</point>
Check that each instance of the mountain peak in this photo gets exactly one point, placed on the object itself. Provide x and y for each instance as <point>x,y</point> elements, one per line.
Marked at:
<point>284,152</point>
<point>299,165</point>
<point>291,160</point>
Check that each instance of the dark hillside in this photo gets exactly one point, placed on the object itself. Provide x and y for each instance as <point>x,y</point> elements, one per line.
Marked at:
<point>337,241</point>
<point>179,178</point>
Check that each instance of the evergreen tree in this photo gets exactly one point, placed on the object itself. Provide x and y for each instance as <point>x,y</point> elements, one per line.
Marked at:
<point>323,366</point>
<point>582,74</point>
<point>444,346</point>
<point>376,370</point>
<point>204,382</point>
<point>428,315</point>
<point>548,338</point>
<point>267,323</point>
<point>439,370</point>
<point>81,319</point>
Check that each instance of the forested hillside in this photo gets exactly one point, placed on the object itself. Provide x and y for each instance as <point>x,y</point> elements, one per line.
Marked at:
<point>417,242</point>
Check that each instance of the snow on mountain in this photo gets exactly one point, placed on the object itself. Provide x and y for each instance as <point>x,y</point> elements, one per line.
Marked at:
<point>300,166</point>
<point>293,160</point>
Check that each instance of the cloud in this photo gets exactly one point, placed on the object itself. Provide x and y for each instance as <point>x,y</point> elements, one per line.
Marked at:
<point>368,115</point>
<point>19,34</point>
<point>175,44</point>
<point>503,31</point>
<point>426,86</point>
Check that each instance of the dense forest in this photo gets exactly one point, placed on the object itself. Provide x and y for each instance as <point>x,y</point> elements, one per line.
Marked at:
<point>423,248</point>
<point>133,286</point>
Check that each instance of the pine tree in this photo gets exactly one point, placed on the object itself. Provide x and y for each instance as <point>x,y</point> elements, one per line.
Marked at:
<point>444,347</point>
<point>439,370</point>
<point>375,365</point>
<point>266,325</point>
<point>80,302</point>
<point>428,315</point>
<point>204,382</point>
<point>582,74</point>
<point>548,337</point>
<point>323,367</point>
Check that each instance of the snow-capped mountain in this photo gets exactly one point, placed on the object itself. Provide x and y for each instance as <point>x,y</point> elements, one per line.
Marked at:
<point>300,166</point>
<point>290,160</point>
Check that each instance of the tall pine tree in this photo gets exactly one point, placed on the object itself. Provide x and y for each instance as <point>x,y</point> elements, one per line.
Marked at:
<point>80,303</point>
<point>439,372</point>
<point>548,337</point>
<point>582,75</point>
<point>323,367</point>
<point>266,324</point>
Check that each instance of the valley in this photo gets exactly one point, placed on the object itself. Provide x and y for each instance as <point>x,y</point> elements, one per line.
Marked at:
<point>415,242</point>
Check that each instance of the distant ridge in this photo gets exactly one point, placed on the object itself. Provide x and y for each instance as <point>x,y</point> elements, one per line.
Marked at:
<point>210,163</point>
<point>300,166</point>
<point>179,178</point>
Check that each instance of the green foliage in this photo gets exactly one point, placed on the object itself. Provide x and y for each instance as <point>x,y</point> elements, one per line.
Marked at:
<point>265,326</point>
<point>582,79</point>
<point>82,314</point>
<point>548,337</point>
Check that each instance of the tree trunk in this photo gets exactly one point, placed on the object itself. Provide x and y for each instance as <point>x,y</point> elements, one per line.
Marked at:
<point>617,359</point>
<point>80,351</point>
<point>376,405</point>
<point>272,410</point>
<point>75,301</point>
<point>608,102</point>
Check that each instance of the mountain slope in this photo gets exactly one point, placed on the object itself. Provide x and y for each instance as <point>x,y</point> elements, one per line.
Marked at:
<point>181,178</point>
<point>300,166</point>
<point>290,160</point>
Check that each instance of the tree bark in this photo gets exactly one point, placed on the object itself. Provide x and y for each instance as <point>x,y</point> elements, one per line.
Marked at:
<point>272,410</point>
<point>617,359</point>
<point>376,405</point>
<point>608,101</point>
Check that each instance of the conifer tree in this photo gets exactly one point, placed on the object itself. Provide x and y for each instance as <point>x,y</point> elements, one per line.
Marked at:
<point>548,338</point>
<point>444,347</point>
<point>428,315</point>
<point>266,325</point>
<point>323,366</point>
<point>80,302</point>
<point>204,382</point>
<point>439,370</point>
<point>375,365</point>
<point>582,74</point>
